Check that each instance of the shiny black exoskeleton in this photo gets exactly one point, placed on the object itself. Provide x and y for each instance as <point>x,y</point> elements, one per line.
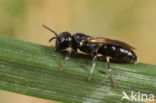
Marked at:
<point>116,52</point>
<point>108,48</point>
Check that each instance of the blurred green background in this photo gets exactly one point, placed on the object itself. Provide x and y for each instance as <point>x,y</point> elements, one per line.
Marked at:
<point>132,21</point>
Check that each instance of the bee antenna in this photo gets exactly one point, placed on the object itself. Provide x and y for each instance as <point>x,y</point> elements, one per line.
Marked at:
<point>50,30</point>
<point>52,39</point>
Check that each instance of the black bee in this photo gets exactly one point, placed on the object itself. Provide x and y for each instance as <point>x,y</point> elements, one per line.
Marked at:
<point>108,48</point>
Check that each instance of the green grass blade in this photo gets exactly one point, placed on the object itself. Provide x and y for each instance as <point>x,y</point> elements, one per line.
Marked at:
<point>33,70</point>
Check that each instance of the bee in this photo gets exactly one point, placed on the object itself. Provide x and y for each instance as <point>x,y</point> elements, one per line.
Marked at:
<point>94,46</point>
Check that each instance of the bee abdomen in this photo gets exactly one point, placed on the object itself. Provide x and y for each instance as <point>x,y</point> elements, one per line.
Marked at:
<point>118,53</point>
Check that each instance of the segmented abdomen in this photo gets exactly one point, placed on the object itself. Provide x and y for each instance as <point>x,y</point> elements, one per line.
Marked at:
<point>118,53</point>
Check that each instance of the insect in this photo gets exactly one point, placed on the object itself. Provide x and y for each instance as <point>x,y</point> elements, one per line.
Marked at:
<point>94,46</point>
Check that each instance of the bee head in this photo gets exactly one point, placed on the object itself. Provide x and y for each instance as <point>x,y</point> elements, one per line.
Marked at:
<point>63,40</point>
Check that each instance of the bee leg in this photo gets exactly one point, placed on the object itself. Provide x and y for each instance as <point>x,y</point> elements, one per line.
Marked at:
<point>67,57</point>
<point>93,66</point>
<point>110,72</point>
<point>94,54</point>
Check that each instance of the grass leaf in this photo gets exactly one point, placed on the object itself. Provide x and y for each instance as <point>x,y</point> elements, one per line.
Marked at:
<point>33,69</point>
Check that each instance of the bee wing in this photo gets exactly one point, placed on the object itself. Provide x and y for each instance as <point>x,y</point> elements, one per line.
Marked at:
<point>101,40</point>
